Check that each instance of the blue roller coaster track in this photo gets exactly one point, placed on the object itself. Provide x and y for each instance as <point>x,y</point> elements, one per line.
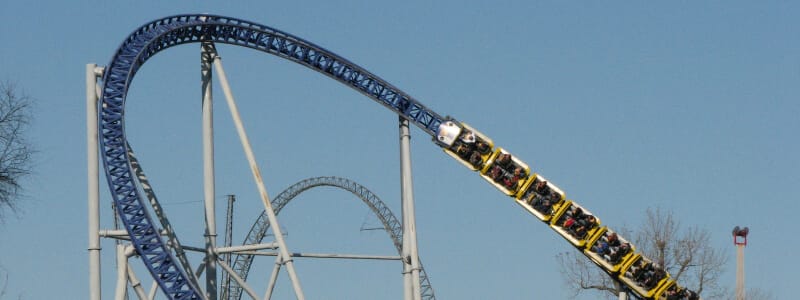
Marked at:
<point>164,33</point>
<point>508,173</point>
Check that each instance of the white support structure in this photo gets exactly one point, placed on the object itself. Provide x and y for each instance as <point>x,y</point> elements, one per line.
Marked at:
<point>93,173</point>
<point>326,255</point>
<point>122,274</point>
<point>136,284</point>
<point>273,277</point>
<point>740,240</point>
<point>247,247</point>
<point>409,251</point>
<point>740,293</point>
<point>153,291</point>
<point>238,280</point>
<point>125,274</point>
<point>273,220</point>
<point>207,56</point>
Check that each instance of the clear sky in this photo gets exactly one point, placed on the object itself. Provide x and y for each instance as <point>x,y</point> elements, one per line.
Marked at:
<point>691,106</point>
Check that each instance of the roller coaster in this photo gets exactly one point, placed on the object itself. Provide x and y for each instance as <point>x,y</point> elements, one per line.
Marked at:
<point>258,231</point>
<point>615,255</point>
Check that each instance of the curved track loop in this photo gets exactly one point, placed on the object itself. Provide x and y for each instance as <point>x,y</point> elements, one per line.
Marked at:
<point>173,242</point>
<point>259,229</point>
<point>164,33</point>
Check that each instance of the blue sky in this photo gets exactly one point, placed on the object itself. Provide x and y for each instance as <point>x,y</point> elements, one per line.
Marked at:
<point>626,106</point>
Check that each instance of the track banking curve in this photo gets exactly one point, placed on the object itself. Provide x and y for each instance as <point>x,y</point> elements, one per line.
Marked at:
<point>164,33</point>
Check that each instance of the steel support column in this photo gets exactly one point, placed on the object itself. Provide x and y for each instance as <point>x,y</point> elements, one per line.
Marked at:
<point>93,173</point>
<point>740,292</point>
<point>207,56</point>
<point>409,253</point>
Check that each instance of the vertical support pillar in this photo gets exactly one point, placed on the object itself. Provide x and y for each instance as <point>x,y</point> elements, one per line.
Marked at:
<point>251,159</point>
<point>207,57</point>
<point>93,192</point>
<point>409,250</point>
<point>740,240</point>
<point>740,294</point>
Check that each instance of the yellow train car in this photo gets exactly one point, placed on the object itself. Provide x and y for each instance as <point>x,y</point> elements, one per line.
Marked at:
<point>673,291</point>
<point>467,145</point>
<point>506,172</point>
<point>643,277</point>
<point>668,292</point>
<point>540,197</point>
<point>576,224</point>
<point>609,250</point>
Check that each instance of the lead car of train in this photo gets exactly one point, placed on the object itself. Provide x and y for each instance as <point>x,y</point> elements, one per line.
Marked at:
<point>548,203</point>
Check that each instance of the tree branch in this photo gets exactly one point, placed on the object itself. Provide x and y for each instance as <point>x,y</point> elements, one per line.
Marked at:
<point>15,150</point>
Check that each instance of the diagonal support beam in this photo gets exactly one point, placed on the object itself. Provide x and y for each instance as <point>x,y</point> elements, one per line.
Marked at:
<point>273,220</point>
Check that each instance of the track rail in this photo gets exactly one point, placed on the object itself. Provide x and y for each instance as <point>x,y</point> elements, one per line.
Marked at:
<point>391,225</point>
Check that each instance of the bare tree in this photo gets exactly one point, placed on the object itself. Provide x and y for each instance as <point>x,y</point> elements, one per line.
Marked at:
<point>15,150</point>
<point>685,253</point>
<point>753,293</point>
<point>758,294</point>
<point>581,275</point>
